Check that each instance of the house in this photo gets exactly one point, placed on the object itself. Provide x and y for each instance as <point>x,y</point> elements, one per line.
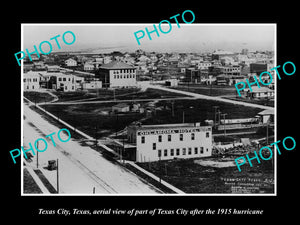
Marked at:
<point>259,93</point>
<point>53,69</point>
<point>266,116</point>
<point>70,62</point>
<point>117,74</point>
<point>92,85</point>
<point>171,83</point>
<point>88,66</point>
<point>203,65</point>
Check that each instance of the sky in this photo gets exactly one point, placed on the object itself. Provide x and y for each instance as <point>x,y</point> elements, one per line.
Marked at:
<point>120,37</point>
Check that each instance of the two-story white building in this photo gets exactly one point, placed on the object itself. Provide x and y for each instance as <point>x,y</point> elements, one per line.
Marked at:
<point>169,141</point>
<point>31,81</point>
<point>117,74</point>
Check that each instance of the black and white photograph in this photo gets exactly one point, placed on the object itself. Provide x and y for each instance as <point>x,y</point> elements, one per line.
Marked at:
<point>160,118</point>
<point>147,112</point>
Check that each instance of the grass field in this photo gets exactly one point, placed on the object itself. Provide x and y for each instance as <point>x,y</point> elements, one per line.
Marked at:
<point>214,90</point>
<point>89,117</point>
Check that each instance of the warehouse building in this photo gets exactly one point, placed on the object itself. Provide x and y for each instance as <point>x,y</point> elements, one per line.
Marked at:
<point>169,141</point>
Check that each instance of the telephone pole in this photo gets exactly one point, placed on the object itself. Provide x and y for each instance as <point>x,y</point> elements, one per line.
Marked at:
<point>215,121</point>
<point>224,114</point>
<point>57,177</point>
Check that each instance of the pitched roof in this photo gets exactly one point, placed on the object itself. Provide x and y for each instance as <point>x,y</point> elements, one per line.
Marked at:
<point>116,65</point>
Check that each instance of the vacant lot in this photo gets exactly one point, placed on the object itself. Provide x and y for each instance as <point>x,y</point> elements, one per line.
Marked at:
<point>213,90</point>
<point>191,177</point>
<point>197,110</point>
<point>90,117</point>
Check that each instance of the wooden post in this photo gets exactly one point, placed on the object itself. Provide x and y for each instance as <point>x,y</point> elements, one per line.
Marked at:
<point>57,176</point>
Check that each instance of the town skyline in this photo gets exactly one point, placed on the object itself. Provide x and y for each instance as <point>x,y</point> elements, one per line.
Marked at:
<point>196,38</point>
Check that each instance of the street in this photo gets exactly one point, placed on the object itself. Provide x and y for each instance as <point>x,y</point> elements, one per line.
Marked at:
<point>81,169</point>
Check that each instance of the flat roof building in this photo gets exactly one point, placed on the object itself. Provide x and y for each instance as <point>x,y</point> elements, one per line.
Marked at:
<point>169,141</point>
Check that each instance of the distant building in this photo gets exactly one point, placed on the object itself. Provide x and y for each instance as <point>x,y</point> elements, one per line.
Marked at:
<point>70,62</point>
<point>88,66</point>
<point>266,116</point>
<point>192,75</point>
<point>204,65</point>
<point>171,82</point>
<point>169,141</point>
<point>31,81</point>
<point>220,53</point>
<point>62,82</point>
<point>258,68</point>
<point>53,69</point>
<point>92,85</point>
<point>245,51</point>
<point>231,70</point>
<point>259,93</point>
<point>122,107</point>
<point>117,74</point>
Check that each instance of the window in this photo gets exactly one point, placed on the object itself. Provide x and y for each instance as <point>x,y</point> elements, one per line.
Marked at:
<point>177,151</point>
<point>159,138</point>
<point>115,76</point>
<point>195,150</point>
<point>64,79</point>
<point>154,146</point>
<point>166,152</point>
<point>183,151</point>
<point>201,150</point>
<point>24,79</point>
<point>192,136</point>
<point>207,134</point>
<point>120,76</point>
<point>172,152</point>
<point>59,79</point>
<point>169,137</point>
<point>189,151</point>
<point>181,137</point>
<point>143,139</point>
<point>207,150</point>
<point>159,153</point>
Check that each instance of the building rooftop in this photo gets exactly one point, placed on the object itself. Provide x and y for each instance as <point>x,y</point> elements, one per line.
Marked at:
<point>116,65</point>
<point>257,89</point>
<point>168,126</point>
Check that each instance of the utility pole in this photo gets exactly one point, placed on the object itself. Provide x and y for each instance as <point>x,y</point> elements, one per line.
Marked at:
<point>215,121</point>
<point>159,168</point>
<point>57,177</point>
<point>37,156</point>
<point>173,108</point>
<point>224,114</point>
<point>267,138</point>
<point>96,141</point>
<point>183,116</point>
